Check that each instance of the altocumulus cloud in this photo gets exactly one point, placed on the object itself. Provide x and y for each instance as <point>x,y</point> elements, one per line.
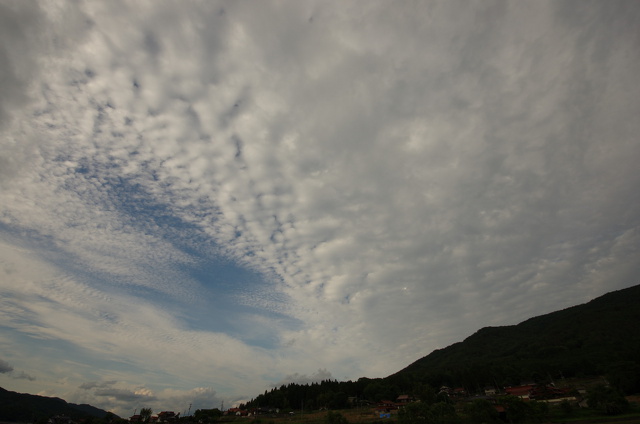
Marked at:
<point>201,200</point>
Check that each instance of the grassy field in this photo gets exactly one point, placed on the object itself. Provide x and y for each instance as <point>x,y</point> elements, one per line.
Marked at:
<point>318,417</point>
<point>368,415</point>
<point>363,416</point>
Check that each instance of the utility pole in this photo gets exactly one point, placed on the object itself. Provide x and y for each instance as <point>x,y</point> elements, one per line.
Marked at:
<point>189,413</point>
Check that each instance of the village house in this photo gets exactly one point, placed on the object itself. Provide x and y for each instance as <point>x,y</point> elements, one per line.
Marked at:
<point>523,392</point>
<point>167,416</point>
<point>386,405</point>
<point>490,391</point>
<point>237,412</point>
<point>404,399</point>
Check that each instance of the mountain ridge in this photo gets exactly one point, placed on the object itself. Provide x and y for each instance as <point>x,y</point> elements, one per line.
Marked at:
<point>25,407</point>
<point>594,339</point>
<point>581,339</point>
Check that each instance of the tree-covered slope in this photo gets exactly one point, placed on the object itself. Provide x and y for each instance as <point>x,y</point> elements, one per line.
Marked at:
<point>22,407</point>
<point>596,338</point>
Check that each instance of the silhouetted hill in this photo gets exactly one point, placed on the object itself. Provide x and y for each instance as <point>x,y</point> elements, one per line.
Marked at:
<point>597,338</point>
<point>89,410</point>
<point>22,407</point>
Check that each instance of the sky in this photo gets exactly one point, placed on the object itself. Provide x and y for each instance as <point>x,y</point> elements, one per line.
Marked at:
<point>200,201</point>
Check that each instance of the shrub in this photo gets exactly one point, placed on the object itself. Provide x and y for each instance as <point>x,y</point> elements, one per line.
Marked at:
<point>335,418</point>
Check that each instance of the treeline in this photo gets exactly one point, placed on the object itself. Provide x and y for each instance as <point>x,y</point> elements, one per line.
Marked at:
<point>332,394</point>
<point>437,408</point>
<point>329,394</point>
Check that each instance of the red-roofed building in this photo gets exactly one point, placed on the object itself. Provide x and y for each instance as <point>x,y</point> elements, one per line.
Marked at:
<point>167,416</point>
<point>237,412</point>
<point>386,405</point>
<point>523,392</point>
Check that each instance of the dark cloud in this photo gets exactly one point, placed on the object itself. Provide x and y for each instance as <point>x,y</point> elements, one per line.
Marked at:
<point>5,367</point>
<point>97,384</point>
<point>24,376</point>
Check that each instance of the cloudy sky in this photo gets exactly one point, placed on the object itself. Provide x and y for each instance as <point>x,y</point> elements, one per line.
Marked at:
<point>200,200</point>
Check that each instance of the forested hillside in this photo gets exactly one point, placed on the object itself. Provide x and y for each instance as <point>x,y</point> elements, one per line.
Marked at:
<point>599,338</point>
<point>22,407</point>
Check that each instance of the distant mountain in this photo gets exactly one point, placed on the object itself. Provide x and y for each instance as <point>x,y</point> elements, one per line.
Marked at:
<point>600,337</point>
<point>22,407</point>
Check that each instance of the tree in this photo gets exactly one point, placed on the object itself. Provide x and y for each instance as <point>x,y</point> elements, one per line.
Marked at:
<point>340,401</point>
<point>207,415</point>
<point>607,400</point>
<point>539,411</point>
<point>378,390</point>
<point>481,411</point>
<point>443,413</point>
<point>565,407</point>
<point>325,399</point>
<point>335,418</point>
<point>520,411</point>
<point>145,414</point>
<point>109,417</point>
<point>625,376</point>
<point>516,409</point>
<point>415,413</point>
<point>427,394</point>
